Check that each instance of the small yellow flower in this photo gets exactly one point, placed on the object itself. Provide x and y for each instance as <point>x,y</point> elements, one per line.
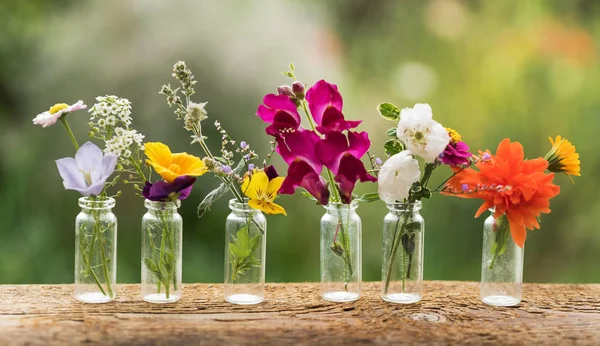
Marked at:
<point>171,166</point>
<point>455,137</point>
<point>562,158</point>
<point>262,192</point>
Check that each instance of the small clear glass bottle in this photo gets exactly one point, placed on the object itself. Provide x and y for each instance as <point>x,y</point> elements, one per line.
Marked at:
<point>162,238</point>
<point>245,254</point>
<point>96,251</point>
<point>501,264</point>
<point>341,253</point>
<point>402,261</point>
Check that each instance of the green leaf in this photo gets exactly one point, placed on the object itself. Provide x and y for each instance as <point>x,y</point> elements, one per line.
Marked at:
<point>392,147</point>
<point>412,227</point>
<point>292,67</point>
<point>389,111</point>
<point>217,193</point>
<point>289,74</point>
<point>306,194</point>
<point>241,251</point>
<point>391,132</point>
<point>368,197</point>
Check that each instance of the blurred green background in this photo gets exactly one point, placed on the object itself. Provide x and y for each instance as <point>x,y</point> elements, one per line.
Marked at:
<point>490,69</point>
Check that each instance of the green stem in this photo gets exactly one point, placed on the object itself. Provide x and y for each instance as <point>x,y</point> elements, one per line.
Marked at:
<point>63,120</point>
<point>88,262</point>
<point>395,245</point>
<point>103,255</point>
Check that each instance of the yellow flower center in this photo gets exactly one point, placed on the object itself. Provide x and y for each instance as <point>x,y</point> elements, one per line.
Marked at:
<point>455,137</point>
<point>175,168</point>
<point>58,107</point>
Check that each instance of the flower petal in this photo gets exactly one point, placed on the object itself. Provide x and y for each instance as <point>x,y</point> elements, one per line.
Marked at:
<point>300,173</point>
<point>300,145</point>
<point>158,153</point>
<point>70,173</point>
<point>267,207</point>
<point>323,95</point>
<point>333,120</point>
<point>257,186</point>
<point>274,186</point>
<point>109,162</point>
<point>89,157</point>
<point>189,164</point>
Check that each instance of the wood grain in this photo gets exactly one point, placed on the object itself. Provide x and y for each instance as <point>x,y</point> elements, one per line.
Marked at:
<point>450,313</point>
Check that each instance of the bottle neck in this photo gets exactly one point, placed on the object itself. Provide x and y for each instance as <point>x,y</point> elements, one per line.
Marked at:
<point>340,209</point>
<point>400,208</point>
<point>154,207</point>
<point>243,209</point>
<point>89,204</point>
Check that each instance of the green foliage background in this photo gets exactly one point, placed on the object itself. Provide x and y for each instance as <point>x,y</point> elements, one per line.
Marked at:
<point>490,69</point>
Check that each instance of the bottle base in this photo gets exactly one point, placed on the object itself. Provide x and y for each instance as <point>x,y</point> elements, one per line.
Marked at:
<point>244,299</point>
<point>499,300</point>
<point>340,297</point>
<point>161,298</point>
<point>402,298</point>
<point>93,298</point>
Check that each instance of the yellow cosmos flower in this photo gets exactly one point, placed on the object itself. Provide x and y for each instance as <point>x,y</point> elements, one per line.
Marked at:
<point>562,158</point>
<point>262,192</point>
<point>171,166</point>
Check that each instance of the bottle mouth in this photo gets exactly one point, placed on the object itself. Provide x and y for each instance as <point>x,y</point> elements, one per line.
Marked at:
<point>236,205</point>
<point>341,206</point>
<point>399,206</point>
<point>95,203</point>
<point>162,205</point>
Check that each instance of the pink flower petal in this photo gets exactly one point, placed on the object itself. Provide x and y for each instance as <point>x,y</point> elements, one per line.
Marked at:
<point>323,95</point>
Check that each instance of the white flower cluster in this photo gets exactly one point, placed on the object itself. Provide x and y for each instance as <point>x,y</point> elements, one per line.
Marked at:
<point>110,109</point>
<point>120,144</point>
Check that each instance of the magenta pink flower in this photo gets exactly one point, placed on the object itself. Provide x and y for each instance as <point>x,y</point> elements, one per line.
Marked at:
<point>456,154</point>
<point>280,112</point>
<point>298,150</point>
<point>342,156</point>
<point>325,103</point>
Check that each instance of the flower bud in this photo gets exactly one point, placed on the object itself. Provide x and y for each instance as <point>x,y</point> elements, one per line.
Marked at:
<point>298,89</point>
<point>285,90</point>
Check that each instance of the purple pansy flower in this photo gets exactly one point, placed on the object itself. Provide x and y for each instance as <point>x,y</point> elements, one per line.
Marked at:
<point>161,191</point>
<point>88,171</point>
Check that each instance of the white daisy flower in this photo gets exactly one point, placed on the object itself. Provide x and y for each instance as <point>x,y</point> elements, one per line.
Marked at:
<point>396,177</point>
<point>420,134</point>
<point>55,112</point>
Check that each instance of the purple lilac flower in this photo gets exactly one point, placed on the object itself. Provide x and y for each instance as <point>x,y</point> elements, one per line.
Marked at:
<point>161,191</point>
<point>464,187</point>
<point>226,169</point>
<point>378,161</point>
<point>88,171</point>
<point>243,145</point>
<point>251,167</point>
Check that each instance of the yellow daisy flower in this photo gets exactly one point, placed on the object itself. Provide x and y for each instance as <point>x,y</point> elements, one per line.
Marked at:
<point>262,192</point>
<point>562,158</point>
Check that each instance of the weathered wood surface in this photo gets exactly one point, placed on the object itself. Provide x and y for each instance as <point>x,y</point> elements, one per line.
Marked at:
<point>450,313</point>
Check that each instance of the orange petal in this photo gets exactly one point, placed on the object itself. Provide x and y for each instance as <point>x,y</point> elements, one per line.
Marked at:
<point>517,230</point>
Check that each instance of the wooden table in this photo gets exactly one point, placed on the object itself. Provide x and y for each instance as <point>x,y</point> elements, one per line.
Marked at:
<point>450,313</point>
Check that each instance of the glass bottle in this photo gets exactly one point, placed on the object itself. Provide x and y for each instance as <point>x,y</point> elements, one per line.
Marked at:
<point>245,254</point>
<point>95,251</point>
<point>162,238</point>
<point>341,257</point>
<point>501,264</point>
<point>402,261</point>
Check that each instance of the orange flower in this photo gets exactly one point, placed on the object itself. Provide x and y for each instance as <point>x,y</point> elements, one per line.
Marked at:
<point>171,166</point>
<point>519,188</point>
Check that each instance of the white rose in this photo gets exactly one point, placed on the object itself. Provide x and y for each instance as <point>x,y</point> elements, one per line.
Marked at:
<point>420,134</point>
<point>396,177</point>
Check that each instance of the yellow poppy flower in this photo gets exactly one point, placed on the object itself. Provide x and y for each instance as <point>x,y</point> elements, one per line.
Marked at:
<point>262,192</point>
<point>171,166</point>
<point>562,158</point>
